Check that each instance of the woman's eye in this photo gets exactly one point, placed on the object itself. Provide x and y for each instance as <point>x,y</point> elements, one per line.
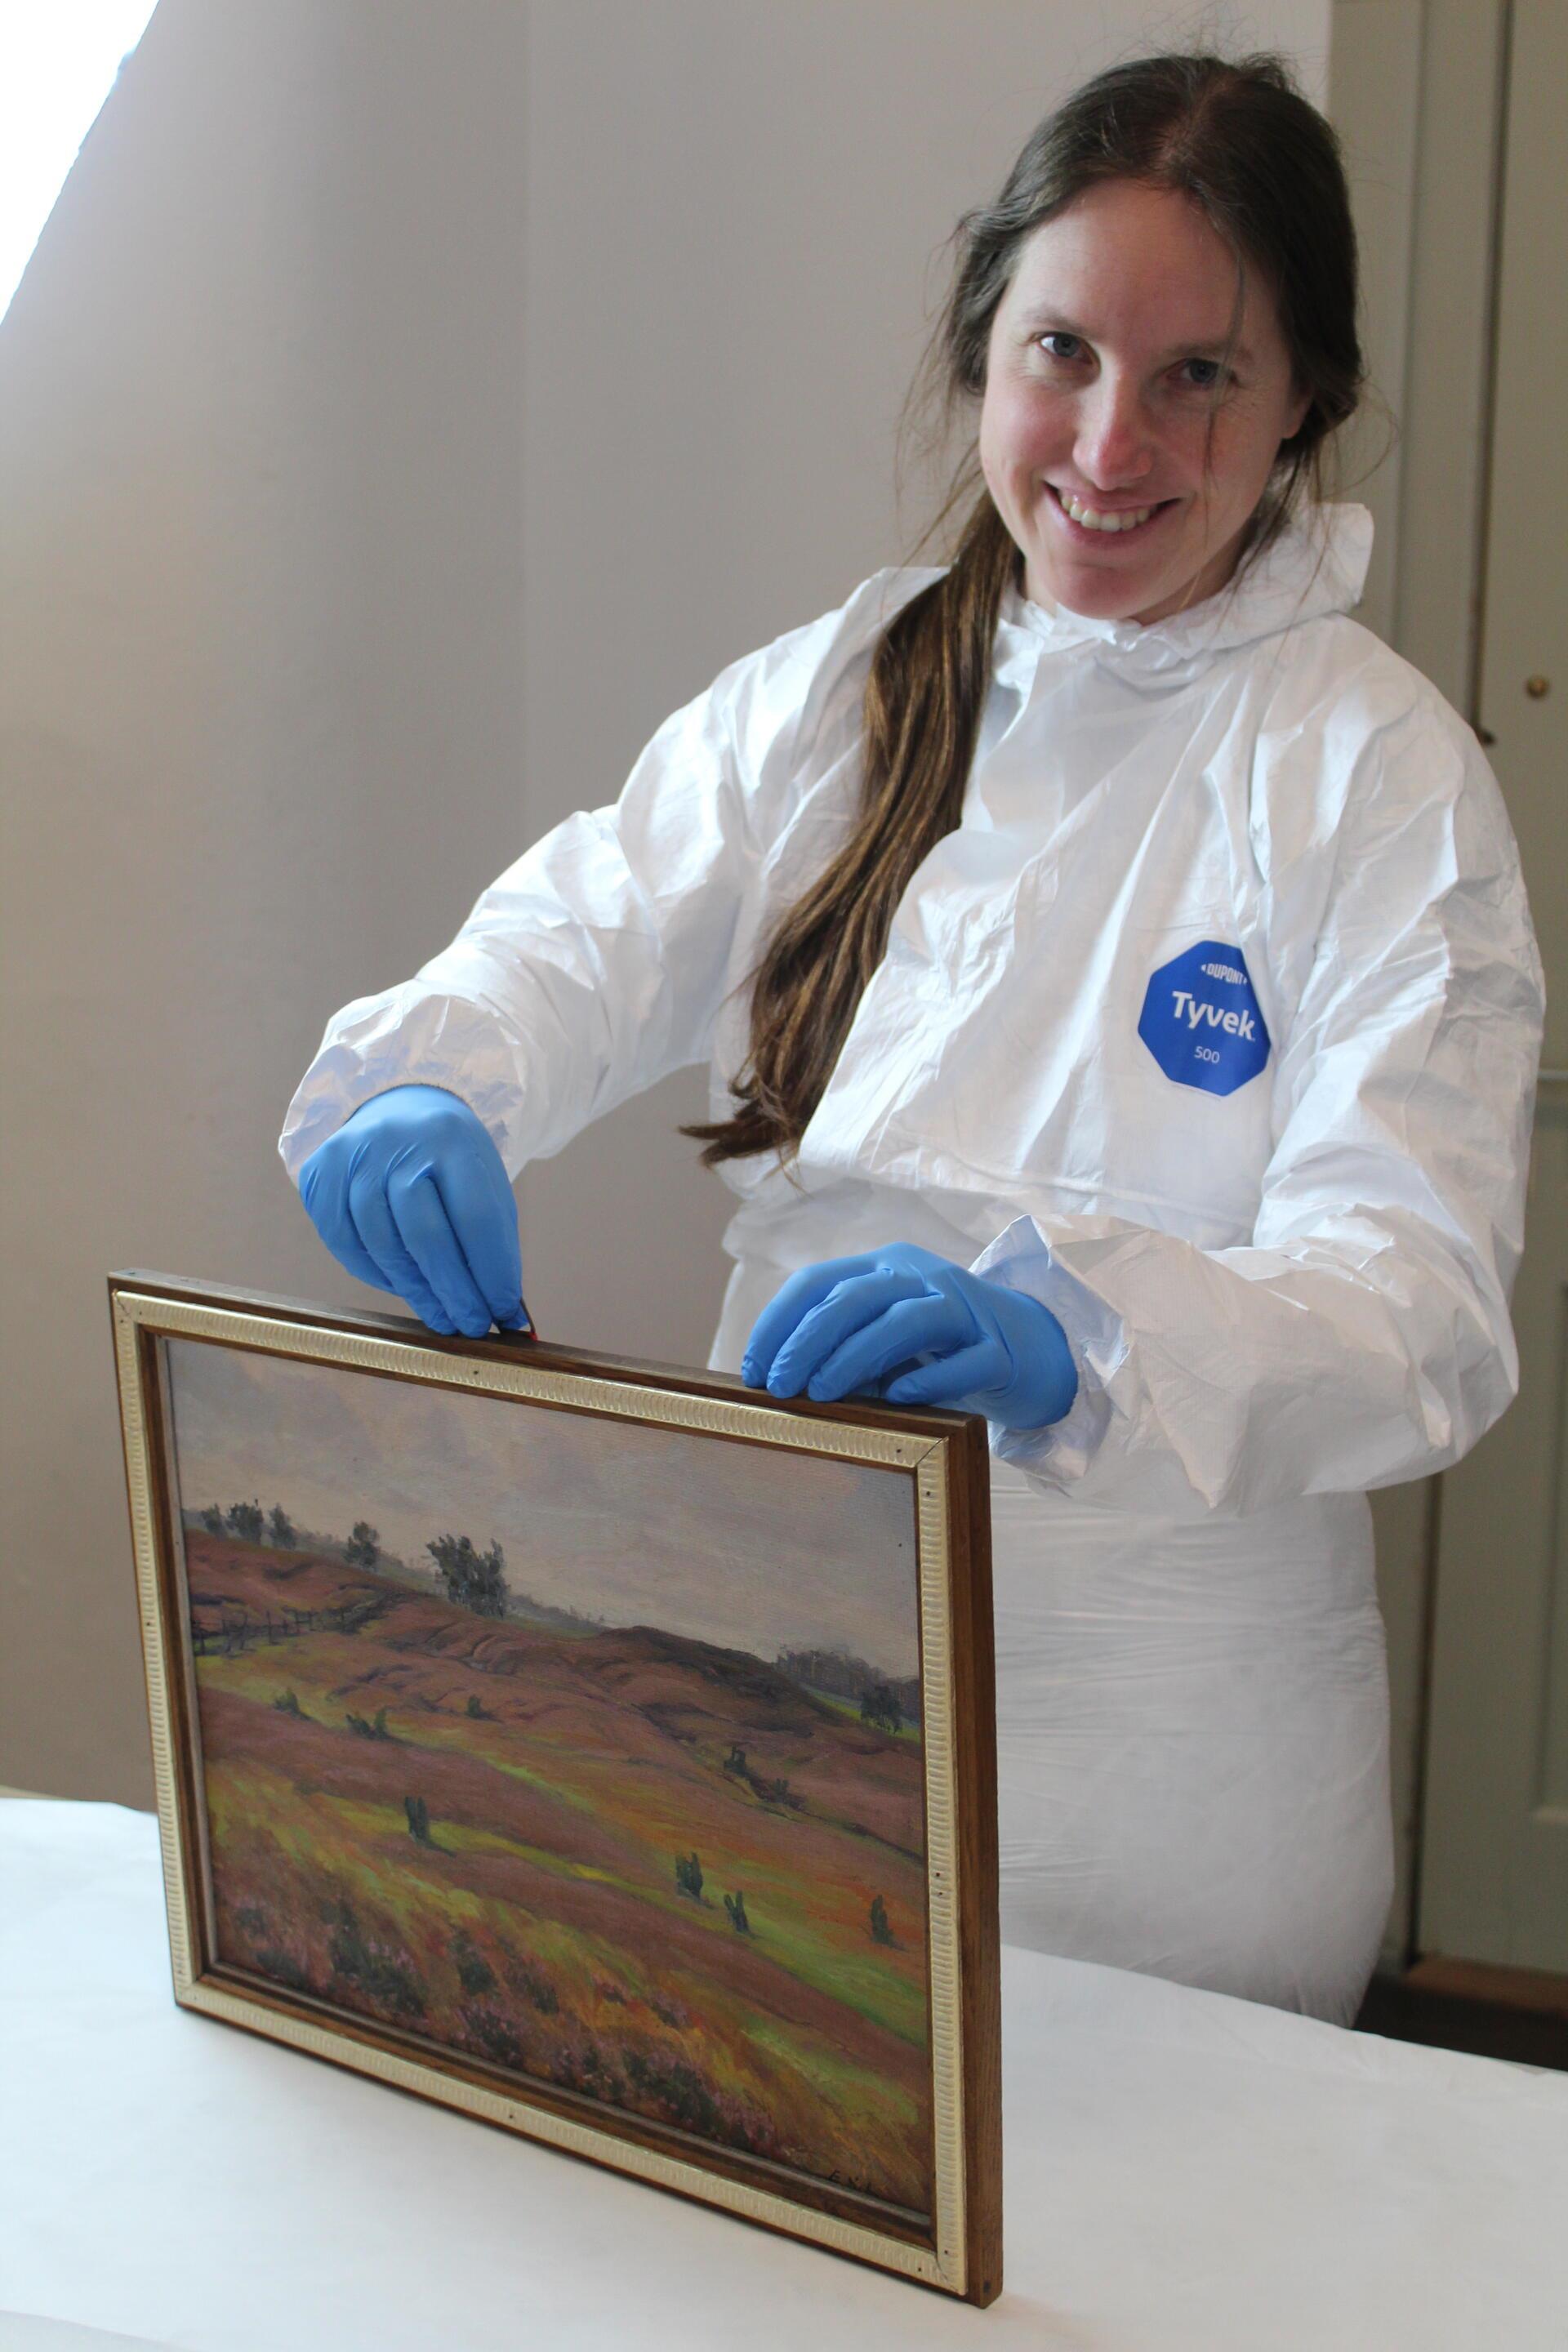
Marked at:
<point>1208,383</point>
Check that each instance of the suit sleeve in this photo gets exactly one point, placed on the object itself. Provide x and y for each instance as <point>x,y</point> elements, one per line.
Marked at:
<point>1363,1336</point>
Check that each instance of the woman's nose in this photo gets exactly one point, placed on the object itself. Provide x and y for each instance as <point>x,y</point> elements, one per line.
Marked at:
<point>1115,449</point>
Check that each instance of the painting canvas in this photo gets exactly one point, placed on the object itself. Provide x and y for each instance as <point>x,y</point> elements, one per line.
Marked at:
<point>595,1727</point>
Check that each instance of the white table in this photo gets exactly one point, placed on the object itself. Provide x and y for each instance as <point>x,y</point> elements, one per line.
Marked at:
<point>1185,2173</point>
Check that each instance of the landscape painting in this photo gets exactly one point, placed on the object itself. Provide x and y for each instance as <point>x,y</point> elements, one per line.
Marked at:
<point>587,1748</point>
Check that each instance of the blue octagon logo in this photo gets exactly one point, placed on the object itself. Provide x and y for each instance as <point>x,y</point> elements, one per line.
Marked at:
<point>1201,1021</point>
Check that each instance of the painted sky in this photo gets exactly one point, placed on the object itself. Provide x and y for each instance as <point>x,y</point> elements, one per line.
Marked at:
<point>749,1547</point>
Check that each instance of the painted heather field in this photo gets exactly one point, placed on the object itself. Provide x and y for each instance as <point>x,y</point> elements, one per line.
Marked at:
<point>593,1755</point>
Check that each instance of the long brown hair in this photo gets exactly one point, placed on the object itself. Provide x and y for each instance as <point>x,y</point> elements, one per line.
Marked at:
<point>1237,137</point>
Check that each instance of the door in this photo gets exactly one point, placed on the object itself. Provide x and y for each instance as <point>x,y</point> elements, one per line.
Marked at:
<point>1494,1849</point>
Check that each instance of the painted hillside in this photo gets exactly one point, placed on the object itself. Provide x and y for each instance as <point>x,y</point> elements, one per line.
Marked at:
<point>658,1872</point>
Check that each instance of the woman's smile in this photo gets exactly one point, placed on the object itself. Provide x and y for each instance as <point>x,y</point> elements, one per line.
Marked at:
<point>1109,532</point>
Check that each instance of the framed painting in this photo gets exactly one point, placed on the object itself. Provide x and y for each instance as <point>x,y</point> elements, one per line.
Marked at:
<point>602,1748</point>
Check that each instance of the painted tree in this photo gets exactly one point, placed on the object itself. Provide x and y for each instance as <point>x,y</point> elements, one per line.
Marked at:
<point>881,1930</point>
<point>212,1519</point>
<point>246,1521</point>
<point>880,1707</point>
<point>363,1549</point>
<point>281,1529</point>
<point>473,1580</point>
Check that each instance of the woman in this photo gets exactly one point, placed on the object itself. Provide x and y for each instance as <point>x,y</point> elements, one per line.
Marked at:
<point>1122,1015</point>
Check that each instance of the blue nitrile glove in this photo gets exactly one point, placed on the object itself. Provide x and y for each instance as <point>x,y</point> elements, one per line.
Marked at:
<point>412,1195</point>
<point>841,1327</point>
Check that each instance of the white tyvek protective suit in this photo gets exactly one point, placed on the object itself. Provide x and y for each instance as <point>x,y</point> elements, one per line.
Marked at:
<point>1215,1025</point>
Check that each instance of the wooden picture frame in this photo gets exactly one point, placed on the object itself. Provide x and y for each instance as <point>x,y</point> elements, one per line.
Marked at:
<point>820,2055</point>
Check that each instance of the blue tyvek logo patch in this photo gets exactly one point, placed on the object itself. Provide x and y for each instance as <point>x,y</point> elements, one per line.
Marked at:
<point>1201,1021</point>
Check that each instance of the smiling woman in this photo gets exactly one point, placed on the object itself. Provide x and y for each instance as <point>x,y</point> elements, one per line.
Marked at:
<point>1088,938</point>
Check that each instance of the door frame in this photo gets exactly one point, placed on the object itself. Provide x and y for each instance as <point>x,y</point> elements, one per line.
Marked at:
<point>1417,92</point>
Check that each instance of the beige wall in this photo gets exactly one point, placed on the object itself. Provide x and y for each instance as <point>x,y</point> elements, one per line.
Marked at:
<point>409,405</point>
<point>260,711</point>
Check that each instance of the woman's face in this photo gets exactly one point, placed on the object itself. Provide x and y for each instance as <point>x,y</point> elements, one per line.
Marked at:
<point>1101,370</point>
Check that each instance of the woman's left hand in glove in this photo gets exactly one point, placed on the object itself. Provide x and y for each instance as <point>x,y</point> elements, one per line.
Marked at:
<point>943,1335</point>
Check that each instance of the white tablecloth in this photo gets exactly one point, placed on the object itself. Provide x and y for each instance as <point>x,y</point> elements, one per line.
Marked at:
<point>1185,2173</point>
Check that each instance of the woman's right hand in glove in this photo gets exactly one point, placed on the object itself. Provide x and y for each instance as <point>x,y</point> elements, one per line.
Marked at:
<point>412,1195</point>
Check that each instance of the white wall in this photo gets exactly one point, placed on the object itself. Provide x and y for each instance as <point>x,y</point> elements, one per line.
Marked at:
<point>260,403</point>
<point>409,405</point>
